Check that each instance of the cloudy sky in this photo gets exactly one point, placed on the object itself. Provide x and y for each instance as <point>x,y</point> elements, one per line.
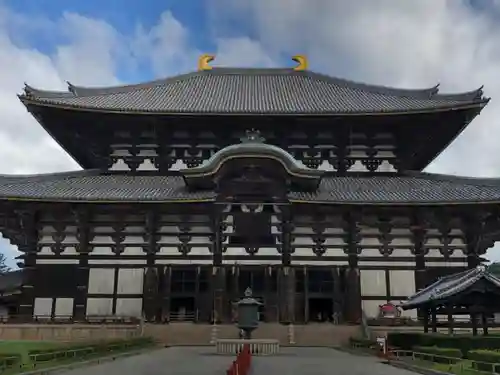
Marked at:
<point>406,43</point>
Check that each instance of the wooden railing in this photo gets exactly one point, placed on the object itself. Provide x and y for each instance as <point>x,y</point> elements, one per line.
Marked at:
<point>64,319</point>
<point>51,357</point>
<point>256,346</point>
<point>461,364</point>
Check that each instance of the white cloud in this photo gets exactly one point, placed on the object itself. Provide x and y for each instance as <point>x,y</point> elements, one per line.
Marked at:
<point>411,44</point>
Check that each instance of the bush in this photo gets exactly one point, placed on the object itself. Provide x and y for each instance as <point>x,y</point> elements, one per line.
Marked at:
<point>408,340</point>
<point>8,361</point>
<point>488,356</point>
<point>84,350</point>
<point>439,355</point>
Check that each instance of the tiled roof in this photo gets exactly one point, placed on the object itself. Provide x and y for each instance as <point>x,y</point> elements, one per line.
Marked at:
<point>93,186</point>
<point>259,91</point>
<point>449,286</point>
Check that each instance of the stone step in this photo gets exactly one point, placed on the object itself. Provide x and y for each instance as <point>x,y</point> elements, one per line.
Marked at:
<point>202,334</point>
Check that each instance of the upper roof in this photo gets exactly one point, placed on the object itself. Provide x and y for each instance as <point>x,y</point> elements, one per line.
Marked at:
<point>254,91</point>
<point>94,186</point>
<point>449,286</point>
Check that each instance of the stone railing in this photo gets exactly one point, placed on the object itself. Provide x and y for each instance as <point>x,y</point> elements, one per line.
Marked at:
<point>257,346</point>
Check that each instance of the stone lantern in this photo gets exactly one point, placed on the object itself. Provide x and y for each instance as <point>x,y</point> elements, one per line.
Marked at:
<point>248,314</point>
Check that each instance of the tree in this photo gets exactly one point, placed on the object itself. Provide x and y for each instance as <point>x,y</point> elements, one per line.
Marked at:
<point>494,268</point>
<point>4,268</point>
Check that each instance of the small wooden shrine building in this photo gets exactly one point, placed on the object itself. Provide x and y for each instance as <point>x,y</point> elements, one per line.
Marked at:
<point>474,292</point>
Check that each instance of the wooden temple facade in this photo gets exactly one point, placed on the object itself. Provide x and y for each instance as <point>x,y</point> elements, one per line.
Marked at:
<point>307,188</point>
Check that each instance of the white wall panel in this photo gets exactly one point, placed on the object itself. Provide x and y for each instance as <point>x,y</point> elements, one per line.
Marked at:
<point>42,306</point>
<point>64,307</point>
<point>130,281</point>
<point>129,307</point>
<point>99,306</point>
<point>402,283</point>
<point>373,282</point>
<point>101,280</point>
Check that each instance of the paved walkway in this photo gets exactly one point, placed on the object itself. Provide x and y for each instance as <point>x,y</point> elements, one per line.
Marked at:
<point>193,361</point>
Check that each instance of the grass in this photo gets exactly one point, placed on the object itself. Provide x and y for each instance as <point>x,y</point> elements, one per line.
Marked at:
<point>23,348</point>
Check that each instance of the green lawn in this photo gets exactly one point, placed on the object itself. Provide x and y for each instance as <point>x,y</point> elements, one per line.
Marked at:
<point>461,368</point>
<point>23,347</point>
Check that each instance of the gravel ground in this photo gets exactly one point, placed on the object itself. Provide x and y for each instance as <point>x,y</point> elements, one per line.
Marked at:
<point>202,360</point>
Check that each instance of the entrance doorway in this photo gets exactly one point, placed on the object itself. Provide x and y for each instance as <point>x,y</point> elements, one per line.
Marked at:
<point>182,309</point>
<point>320,310</point>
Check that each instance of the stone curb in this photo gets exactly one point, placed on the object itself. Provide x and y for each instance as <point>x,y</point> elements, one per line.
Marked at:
<point>413,368</point>
<point>71,366</point>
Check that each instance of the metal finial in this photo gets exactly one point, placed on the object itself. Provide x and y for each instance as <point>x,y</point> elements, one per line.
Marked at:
<point>302,62</point>
<point>252,136</point>
<point>204,62</point>
<point>248,292</point>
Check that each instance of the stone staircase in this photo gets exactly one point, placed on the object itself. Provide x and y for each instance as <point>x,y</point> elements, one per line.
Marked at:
<point>186,333</point>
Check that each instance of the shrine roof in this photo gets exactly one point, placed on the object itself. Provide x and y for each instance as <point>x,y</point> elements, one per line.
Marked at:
<point>450,286</point>
<point>95,186</point>
<point>253,91</point>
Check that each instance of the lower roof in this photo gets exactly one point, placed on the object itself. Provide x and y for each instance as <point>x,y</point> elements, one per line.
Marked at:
<point>450,286</point>
<point>96,186</point>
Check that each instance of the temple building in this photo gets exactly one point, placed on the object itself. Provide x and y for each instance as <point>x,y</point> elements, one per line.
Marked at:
<point>309,189</point>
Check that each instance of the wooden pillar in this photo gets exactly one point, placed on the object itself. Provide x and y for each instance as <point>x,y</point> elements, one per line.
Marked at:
<point>425,313</point>
<point>83,248</point>
<point>449,309</point>
<point>473,233</point>
<point>287,288</point>
<point>235,290</point>
<point>473,319</point>
<point>484,321</point>
<point>418,228</point>
<point>337,296</point>
<point>434,319</point>
<point>218,271</point>
<point>354,308</point>
<point>166,286</point>
<point>151,298</point>
<point>198,303</point>
<point>150,294</point>
<point>29,246</point>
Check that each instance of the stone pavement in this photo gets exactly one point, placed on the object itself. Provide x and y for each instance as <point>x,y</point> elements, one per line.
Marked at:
<point>202,360</point>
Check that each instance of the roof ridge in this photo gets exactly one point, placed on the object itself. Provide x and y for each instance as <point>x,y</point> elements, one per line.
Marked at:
<point>428,93</point>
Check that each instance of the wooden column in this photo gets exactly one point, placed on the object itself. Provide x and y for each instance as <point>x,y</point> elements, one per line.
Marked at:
<point>337,296</point>
<point>218,272</point>
<point>354,309</point>
<point>151,298</point>
<point>449,309</point>
<point>29,246</point>
<point>84,237</point>
<point>287,277</point>
<point>425,313</point>
<point>166,286</point>
<point>419,232</point>
<point>473,229</point>
<point>434,319</point>
<point>473,318</point>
